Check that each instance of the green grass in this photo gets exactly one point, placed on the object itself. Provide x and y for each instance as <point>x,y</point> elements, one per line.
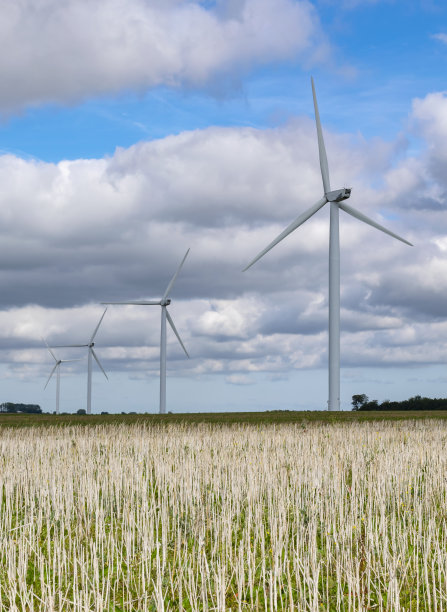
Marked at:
<point>224,418</point>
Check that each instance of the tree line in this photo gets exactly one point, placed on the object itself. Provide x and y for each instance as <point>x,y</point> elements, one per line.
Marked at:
<point>362,402</point>
<point>29,408</point>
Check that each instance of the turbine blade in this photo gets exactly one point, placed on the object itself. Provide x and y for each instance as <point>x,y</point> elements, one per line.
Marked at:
<point>171,323</point>
<point>51,352</point>
<point>298,221</point>
<point>49,377</point>
<point>137,303</point>
<point>97,327</point>
<point>98,362</point>
<point>70,345</point>
<point>173,279</point>
<point>358,215</point>
<point>69,360</point>
<point>321,148</point>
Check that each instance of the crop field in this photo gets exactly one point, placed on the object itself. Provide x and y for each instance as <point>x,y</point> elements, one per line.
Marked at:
<point>208,516</point>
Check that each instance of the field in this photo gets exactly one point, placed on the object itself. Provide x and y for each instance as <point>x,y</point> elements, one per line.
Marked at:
<point>178,515</point>
<point>274,417</point>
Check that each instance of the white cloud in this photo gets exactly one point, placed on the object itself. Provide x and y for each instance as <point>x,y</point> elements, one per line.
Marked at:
<point>76,233</point>
<point>430,115</point>
<point>63,51</point>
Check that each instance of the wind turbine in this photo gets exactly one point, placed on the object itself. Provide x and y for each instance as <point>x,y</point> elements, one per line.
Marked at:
<point>164,303</point>
<point>58,374</point>
<point>91,353</point>
<point>336,199</point>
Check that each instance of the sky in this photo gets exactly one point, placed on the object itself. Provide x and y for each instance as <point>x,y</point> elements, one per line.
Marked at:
<point>132,130</point>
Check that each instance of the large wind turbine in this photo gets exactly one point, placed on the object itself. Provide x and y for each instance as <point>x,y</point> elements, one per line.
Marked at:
<point>91,353</point>
<point>58,374</point>
<point>336,199</point>
<point>164,303</point>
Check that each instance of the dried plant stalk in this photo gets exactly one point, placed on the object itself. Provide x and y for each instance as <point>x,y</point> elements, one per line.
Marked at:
<point>210,517</point>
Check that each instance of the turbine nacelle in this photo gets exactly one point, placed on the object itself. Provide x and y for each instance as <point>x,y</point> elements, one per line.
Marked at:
<point>338,195</point>
<point>165,302</point>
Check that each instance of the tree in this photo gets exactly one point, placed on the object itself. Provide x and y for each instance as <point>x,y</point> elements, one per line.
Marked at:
<point>358,401</point>
<point>81,411</point>
<point>27,408</point>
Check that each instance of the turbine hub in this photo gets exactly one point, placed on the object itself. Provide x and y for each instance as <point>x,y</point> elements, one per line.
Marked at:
<point>338,195</point>
<point>165,302</point>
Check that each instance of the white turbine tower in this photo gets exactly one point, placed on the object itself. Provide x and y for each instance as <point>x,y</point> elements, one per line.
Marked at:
<point>336,199</point>
<point>91,353</point>
<point>58,374</point>
<point>164,303</point>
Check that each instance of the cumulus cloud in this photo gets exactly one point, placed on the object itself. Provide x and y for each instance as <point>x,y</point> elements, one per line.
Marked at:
<point>64,51</point>
<point>76,233</point>
<point>430,115</point>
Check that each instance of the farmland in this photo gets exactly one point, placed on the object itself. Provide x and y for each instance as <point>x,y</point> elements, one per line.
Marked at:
<point>274,417</point>
<point>146,514</point>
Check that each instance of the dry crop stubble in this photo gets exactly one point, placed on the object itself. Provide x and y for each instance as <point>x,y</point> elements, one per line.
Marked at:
<point>211,517</point>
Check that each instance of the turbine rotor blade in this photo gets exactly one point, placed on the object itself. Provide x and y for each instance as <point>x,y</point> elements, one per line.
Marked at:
<point>290,228</point>
<point>50,351</point>
<point>358,215</point>
<point>98,362</point>
<point>97,327</point>
<point>137,303</point>
<point>70,345</point>
<point>171,323</point>
<point>321,148</point>
<point>173,279</point>
<point>49,377</point>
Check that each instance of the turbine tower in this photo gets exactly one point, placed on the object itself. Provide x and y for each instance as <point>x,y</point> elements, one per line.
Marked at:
<point>336,200</point>
<point>164,303</point>
<point>58,374</point>
<point>91,353</point>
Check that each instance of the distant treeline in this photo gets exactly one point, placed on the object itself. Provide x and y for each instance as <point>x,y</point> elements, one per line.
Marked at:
<point>362,402</point>
<point>29,408</point>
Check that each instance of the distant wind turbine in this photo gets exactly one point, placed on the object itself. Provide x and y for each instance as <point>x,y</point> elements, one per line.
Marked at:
<point>58,374</point>
<point>91,353</point>
<point>164,303</point>
<point>336,199</point>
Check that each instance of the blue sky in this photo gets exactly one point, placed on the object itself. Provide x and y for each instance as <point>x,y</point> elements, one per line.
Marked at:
<point>133,130</point>
<point>383,54</point>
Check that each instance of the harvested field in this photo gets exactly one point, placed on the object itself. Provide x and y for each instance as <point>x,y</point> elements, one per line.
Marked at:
<point>311,516</point>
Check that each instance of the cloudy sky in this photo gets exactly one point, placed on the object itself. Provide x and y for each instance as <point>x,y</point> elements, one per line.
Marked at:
<point>132,130</point>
